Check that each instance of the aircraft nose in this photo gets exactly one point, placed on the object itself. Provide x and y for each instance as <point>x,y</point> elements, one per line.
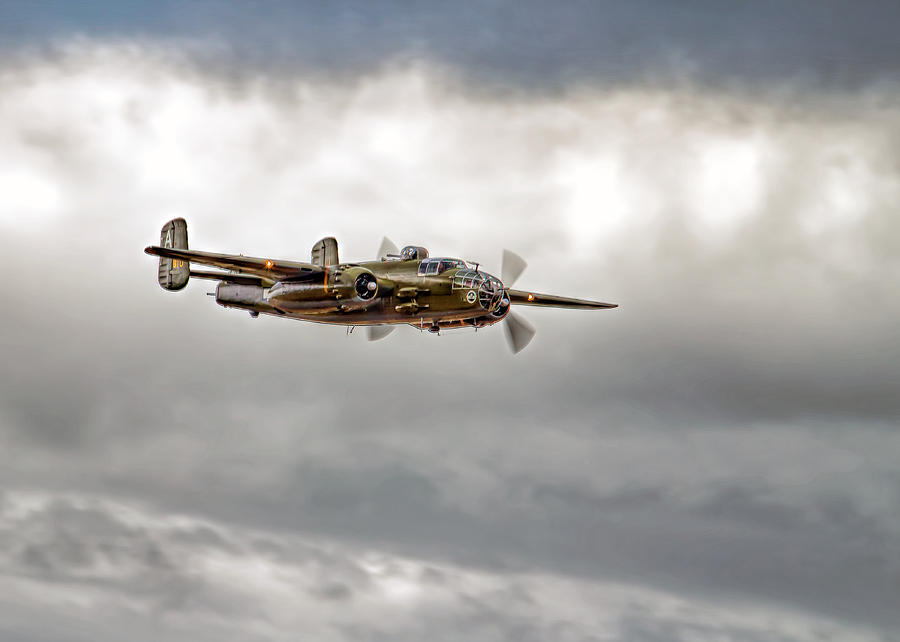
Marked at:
<point>491,291</point>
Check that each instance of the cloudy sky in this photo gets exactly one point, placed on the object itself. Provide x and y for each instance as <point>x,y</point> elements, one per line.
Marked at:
<point>717,459</point>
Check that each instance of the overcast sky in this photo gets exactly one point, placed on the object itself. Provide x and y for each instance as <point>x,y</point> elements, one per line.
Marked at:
<point>717,459</point>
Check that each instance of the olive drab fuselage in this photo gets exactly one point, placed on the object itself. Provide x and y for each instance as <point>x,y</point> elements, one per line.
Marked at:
<point>408,287</point>
<point>457,296</point>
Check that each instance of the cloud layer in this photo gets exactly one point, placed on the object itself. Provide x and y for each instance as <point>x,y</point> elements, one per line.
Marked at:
<point>715,458</point>
<point>67,557</point>
<point>527,45</point>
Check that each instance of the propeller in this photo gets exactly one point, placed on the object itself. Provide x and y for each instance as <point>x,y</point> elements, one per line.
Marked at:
<point>387,248</point>
<point>511,267</point>
<point>376,332</point>
<point>519,332</point>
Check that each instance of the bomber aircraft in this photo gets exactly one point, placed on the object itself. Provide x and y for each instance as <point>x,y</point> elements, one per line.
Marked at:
<point>399,287</point>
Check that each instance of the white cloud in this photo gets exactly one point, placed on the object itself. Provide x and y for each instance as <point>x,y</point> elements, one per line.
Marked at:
<point>133,136</point>
<point>27,197</point>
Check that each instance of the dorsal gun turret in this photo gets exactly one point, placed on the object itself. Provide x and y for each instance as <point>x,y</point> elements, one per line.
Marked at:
<point>413,253</point>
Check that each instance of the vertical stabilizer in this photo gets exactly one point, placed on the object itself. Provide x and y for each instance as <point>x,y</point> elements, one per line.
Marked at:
<point>174,273</point>
<point>325,252</point>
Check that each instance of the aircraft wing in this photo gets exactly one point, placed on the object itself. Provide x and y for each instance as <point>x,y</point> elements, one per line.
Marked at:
<point>521,297</point>
<point>268,269</point>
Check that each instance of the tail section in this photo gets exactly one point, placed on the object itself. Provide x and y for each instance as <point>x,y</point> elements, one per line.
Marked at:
<point>174,273</point>
<point>325,253</point>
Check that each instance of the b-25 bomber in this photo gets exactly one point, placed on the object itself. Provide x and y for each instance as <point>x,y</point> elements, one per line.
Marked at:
<point>404,286</point>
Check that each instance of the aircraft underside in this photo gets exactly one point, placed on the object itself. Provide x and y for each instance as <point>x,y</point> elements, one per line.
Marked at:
<point>326,311</point>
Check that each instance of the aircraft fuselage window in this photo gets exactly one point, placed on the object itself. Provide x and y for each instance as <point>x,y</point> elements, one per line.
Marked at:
<point>447,265</point>
<point>437,266</point>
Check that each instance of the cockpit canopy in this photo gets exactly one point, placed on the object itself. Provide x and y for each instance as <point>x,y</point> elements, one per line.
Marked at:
<point>436,265</point>
<point>413,253</point>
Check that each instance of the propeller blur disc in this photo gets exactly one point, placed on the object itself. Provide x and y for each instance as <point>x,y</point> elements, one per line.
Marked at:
<point>387,247</point>
<point>377,332</point>
<point>511,267</point>
<point>519,332</point>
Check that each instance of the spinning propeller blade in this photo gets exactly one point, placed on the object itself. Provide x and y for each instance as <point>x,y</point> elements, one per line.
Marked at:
<point>519,332</point>
<point>376,332</point>
<point>387,247</point>
<point>511,267</point>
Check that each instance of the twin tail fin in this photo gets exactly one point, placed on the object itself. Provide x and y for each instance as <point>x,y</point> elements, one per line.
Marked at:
<point>174,273</point>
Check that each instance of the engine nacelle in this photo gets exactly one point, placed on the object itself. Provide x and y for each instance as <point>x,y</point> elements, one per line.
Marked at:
<point>351,288</point>
<point>355,287</point>
<point>233,295</point>
<point>366,286</point>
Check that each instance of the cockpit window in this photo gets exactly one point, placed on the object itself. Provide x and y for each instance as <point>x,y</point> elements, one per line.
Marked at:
<point>437,266</point>
<point>449,264</point>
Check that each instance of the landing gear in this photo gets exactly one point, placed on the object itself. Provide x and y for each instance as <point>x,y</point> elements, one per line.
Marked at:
<point>254,314</point>
<point>435,329</point>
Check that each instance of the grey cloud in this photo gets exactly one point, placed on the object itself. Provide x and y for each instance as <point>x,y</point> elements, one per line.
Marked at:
<point>199,597</point>
<point>656,629</point>
<point>160,563</point>
<point>730,430</point>
<point>518,45</point>
<point>334,591</point>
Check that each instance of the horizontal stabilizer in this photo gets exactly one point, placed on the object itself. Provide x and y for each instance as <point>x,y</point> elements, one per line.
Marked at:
<point>268,269</point>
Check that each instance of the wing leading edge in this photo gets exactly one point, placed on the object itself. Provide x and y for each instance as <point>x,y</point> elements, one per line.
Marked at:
<point>521,297</point>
